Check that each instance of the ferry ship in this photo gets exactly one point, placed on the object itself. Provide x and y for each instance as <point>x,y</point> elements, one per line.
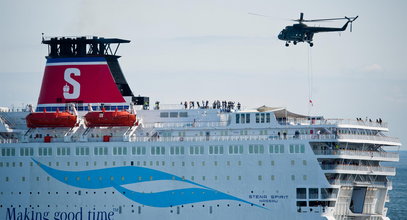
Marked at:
<point>91,150</point>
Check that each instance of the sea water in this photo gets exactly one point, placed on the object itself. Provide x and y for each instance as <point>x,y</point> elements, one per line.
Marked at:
<point>398,196</point>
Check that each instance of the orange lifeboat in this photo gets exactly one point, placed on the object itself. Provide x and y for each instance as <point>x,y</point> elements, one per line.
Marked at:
<point>109,119</point>
<point>50,119</point>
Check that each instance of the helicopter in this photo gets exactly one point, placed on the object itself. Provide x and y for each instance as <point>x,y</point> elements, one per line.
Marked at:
<point>302,33</point>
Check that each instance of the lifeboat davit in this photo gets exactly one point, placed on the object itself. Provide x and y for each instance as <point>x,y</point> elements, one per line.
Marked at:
<point>51,119</point>
<point>109,118</point>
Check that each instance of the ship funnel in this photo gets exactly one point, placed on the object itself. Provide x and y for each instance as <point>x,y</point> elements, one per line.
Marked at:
<point>83,70</point>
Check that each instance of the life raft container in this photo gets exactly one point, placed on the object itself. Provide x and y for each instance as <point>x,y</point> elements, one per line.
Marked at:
<point>51,119</point>
<point>109,118</point>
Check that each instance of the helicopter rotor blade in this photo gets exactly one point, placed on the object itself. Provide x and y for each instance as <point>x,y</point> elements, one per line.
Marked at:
<point>258,14</point>
<point>329,19</point>
<point>325,19</point>
<point>268,16</point>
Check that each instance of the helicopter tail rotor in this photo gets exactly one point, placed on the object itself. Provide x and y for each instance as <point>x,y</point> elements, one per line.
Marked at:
<point>351,20</point>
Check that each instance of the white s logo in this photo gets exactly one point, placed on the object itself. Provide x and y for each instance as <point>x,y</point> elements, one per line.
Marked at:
<point>76,86</point>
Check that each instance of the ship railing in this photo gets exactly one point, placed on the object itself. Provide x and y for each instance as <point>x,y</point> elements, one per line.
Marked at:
<point>88,37</point>
<point>358,168</point>
<point>369,138</point>
<point>263,137</point>
<point>388,184</point>
<point>390,155</point>
<point>186,124</point>
<point>302,121</point>
<point>181,107</point>
<point>9,141</point>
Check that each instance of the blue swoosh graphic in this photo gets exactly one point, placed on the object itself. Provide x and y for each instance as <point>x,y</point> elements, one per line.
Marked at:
<point>117,176</point>
<point>176,197</point>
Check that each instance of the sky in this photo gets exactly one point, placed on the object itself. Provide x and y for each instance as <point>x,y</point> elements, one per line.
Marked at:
<point>185,50</point>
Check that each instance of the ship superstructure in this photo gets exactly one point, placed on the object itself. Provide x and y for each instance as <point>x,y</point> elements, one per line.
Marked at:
<point>119,159</point>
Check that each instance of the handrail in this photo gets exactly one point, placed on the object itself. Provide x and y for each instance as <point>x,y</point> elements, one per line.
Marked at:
<point>357,168</point>
<point>301,121</point>
<point>351,183</point>
<point>357,153</point>
<point>312,137</point>
<point>369,137</point>
<point>185,124</point>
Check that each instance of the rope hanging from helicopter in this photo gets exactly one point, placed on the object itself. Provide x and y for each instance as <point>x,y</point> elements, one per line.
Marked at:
<point>310,81</point>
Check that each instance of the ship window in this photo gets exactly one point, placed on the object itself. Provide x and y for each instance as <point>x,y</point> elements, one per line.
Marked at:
<point>173,114</point>
<point>262,117</point>
<point>292,162</point>
<point>243,118</point>
<point>301,193</point>
<point>172,150</point>
<point>183,114</point>
<point>313,193</point>
<point>196,150</point>
<point>329,193</point>
<point>157,150</point>
<point>164,114</point>
<point>292,177</point>
<point>272,177</point>
<point>215,149</point>
<point>138,150</point>
<point>301,204</point>
<point>304,162</point>
<point>26,151</point>
<point>281,148</point>
<point>237,118</point>
<point>267,117</point>
<point>119,151</point>
<point>260,177</point>
<point>302,148</point>
<point>291,148</point>
<point>304,177</point>
<point>257,118</point>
